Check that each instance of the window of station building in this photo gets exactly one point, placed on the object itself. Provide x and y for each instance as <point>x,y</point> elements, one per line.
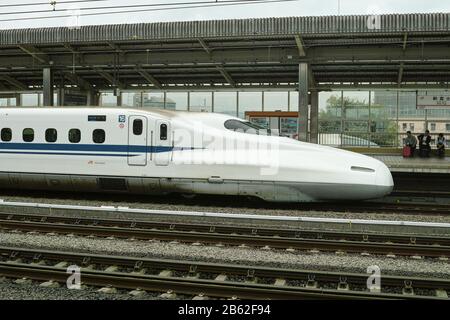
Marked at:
<point>447,127</point>
<point>163,132</point>
<point>74,135</point>
<point>276,101</point>
<point>51,135</point>
<point>200,101</point>
<point>6,134</point>
<point>405,126</point>
<point>138,126</point>
<point>28,135</point>
<point>293,101</point>
<point>176,101</point>
<point>225,102</point>
<point>433,126</point>
<point>249,101</point>
<point>98,135</point>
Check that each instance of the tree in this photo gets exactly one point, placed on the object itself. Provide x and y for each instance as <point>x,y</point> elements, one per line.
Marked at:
<point>350,116</point>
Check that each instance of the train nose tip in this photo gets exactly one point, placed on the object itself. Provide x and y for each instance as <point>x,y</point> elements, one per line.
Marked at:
<point>384,179</point>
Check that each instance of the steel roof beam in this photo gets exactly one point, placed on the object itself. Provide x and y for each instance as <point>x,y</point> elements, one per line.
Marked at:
<point>69,47</point>
<point>35,53</point>
<point>13,82</point>
<point>317,55</point>
<point>227,76</point>
<point>80,82</point>
<point>405,41</point>
<point>300,46</point>
<point>109,78</point>
<point>205,46</point>
<point>147,76</point>
<point>116,48</point>
<point>400,73</point>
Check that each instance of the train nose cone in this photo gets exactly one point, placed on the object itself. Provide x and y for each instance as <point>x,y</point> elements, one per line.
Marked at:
<point>384,180</point>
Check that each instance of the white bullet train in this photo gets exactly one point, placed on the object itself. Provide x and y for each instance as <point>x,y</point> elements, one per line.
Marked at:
<point>148,151</point>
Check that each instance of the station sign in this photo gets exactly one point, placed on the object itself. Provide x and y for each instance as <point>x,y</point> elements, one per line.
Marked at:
<point>429,101</point>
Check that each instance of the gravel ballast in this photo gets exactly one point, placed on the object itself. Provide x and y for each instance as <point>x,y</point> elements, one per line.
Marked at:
<point>177,251</point>
<point>250,256</point>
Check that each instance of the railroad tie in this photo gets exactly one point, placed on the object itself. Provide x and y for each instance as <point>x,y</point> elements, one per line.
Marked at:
<point>221,277</point>
<point>280,282</point>
<point>440,293</point>
<point>107,290</point>
<point>49,284</point>
<point>166,273</point>
<point>112,269</point>
<point>137,292</point>
<point>23,281</point>
<point>200,296</point>
<point>168,295</point>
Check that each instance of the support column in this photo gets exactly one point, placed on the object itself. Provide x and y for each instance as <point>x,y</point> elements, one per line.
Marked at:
<point>119,99</point>
<point>237,104</point>
<point>60,97</point>
<point>93,98</point>
<point>48,87</point>
<point>314,122</point>
<point>303,102</point>
<point>18,100</point>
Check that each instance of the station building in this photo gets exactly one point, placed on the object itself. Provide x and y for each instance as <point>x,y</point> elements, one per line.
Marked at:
<point>353,81</point>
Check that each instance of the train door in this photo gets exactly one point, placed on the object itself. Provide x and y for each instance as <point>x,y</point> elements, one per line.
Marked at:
<point>137,141</point>
<point>163,143</point>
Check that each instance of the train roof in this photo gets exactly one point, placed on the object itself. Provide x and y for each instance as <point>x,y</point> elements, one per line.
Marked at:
<point>87,109</point>
<point>215,119</point>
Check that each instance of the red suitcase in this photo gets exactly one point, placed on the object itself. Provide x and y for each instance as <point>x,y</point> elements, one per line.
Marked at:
<point>406,152</point>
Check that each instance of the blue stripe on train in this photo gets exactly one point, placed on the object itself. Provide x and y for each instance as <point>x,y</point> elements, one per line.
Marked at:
<point>71,154</point>
<point>89,147</point>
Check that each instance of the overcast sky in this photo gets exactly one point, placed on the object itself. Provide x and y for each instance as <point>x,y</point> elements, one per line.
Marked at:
<point>296,8</point>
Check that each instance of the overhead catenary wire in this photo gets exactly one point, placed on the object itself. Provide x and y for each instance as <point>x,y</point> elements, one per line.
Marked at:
<point>29,4</point>
<point>128,6</point>
<point>212,4</point>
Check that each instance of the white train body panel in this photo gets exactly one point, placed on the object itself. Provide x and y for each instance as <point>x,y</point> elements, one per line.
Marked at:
<point>199,155</point>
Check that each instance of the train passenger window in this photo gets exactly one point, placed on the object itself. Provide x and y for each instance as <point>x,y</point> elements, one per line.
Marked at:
<point>28,135</point>
<point>138,127</point>
<point>51,135</point>
<point>163,132</point>
<point>6,134</point>
<point>74,135</point>
<point>98,136</point>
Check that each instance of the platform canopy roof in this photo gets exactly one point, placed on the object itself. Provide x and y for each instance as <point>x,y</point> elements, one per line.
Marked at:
<point>387,51</point>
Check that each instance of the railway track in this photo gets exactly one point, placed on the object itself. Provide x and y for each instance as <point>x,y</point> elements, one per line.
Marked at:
<point>268,238</point>
<point>406,205</point>
<point>409,208</point>
<point>211,279</point>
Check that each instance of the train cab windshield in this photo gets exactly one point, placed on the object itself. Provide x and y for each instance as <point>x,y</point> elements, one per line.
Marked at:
<point>246,127</point>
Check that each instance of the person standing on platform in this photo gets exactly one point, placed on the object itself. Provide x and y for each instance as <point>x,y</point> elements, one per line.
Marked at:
<point>411,142</point>
<point>440,144</point>
<point>424,144</point>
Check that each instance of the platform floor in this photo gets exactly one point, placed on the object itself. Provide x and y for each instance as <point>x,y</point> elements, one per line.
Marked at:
<point>416,164</point>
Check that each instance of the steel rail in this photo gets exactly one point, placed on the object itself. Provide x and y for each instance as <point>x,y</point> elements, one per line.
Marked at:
<point>187,286</point>
<point>228,229</point>
<point>234,239</point>
<point>6,205</point>
<point>195,285</point>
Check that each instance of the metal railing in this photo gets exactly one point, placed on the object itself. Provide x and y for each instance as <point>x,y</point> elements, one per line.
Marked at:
<point>372,140</point>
